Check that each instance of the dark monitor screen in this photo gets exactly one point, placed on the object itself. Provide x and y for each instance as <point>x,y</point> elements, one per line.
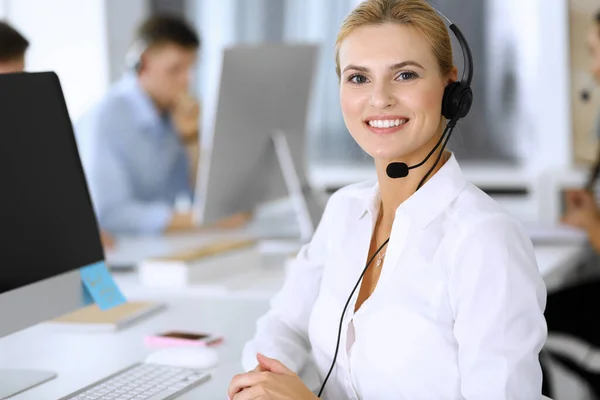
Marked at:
<point>47,222</point>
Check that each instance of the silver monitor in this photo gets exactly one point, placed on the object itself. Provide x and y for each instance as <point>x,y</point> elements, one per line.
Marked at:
<point>47,223</point>
<point>254,151</point>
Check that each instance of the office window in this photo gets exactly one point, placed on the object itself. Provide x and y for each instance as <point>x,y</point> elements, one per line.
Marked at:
<point>75,48</point>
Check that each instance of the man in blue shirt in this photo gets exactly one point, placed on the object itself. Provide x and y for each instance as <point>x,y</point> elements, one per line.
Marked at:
<point>139,145</point>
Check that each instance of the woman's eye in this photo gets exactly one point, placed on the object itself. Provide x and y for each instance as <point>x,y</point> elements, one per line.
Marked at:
<point>406,76</point>
<point>357,79</point>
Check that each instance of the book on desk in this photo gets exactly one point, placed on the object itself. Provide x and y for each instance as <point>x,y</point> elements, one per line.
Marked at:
<point>200,265</point>
<point>92,319</point>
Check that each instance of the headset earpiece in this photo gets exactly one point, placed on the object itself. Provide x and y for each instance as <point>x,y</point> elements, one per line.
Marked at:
<point>457,100</point>
<point>458,96</point>
<point>133,58</point>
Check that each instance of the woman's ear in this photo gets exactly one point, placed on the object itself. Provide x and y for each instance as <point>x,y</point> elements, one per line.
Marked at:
<point>452,75</point>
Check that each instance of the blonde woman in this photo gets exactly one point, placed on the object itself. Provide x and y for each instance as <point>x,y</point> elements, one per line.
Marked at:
<point>450,303</point>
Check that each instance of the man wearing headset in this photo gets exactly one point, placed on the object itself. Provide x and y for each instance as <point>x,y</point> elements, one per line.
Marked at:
<point>12,59</point>
<point>139,145</point>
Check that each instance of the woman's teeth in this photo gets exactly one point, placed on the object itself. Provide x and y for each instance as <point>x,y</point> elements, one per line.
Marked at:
<point>388,123</point>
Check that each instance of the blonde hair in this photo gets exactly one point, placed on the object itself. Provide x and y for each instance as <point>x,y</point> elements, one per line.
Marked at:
<point>417,14</point>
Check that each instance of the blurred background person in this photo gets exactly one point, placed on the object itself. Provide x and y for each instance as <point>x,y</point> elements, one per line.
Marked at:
<point>571,311</point>
<point>140,144</point>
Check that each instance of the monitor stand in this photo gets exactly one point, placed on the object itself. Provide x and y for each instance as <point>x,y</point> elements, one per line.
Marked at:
<point>306,205</point>
<point>14,381</point>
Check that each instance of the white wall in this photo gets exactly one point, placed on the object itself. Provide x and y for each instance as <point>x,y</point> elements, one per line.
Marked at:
<point>539,29</point>
<point>552,78</point>
<point>70,38</point>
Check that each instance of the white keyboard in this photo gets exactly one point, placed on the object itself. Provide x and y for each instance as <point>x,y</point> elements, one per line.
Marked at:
<point>142,381</point>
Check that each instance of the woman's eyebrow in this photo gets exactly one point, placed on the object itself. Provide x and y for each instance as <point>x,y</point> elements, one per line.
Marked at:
<point>392,67</point>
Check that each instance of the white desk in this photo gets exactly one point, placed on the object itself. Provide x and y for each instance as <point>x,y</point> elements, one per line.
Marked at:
<point>81,359</point>
<point>230,309</point>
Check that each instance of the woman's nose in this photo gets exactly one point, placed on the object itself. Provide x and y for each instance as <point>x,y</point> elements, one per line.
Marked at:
<point>382,96</point>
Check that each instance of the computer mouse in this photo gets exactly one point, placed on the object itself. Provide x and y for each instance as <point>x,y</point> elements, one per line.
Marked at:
<point>185,357</point>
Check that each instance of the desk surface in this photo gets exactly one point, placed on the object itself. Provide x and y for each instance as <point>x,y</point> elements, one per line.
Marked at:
<point>83,358</point>
<point>220,307</point>
<point>557,261</point>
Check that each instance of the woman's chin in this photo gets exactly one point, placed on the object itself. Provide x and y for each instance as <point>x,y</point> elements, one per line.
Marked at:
<point>386,154</point>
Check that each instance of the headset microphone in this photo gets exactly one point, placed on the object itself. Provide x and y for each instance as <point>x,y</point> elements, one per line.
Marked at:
<point>396,170</point>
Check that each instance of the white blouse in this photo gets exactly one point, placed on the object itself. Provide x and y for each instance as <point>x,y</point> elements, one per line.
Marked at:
<point>457,312</point>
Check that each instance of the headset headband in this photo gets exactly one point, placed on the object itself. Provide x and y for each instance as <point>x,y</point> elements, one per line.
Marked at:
<point>466,50</point>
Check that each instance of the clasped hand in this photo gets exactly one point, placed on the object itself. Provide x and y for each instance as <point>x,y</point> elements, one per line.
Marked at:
<point>270,380</point>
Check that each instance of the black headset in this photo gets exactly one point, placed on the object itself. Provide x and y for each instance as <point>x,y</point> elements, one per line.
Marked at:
<point>458,96</point>
<point>456,103</point>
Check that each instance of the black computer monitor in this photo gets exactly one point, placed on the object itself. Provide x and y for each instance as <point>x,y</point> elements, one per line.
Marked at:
<point>48,227</point>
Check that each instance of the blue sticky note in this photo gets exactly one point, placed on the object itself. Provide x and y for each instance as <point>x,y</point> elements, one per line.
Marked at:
<point>99,287</point>
<point>87,298</point>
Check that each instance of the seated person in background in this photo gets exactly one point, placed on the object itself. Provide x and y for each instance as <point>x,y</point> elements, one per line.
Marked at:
<point>13,46</point>
<point>139,145</point>
<point>581,205</point>
<point>572,311</point>
<point>449,300</point>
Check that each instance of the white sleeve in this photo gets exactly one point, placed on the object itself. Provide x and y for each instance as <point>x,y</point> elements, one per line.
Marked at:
<point>498,298</point>
<point>282,333</point>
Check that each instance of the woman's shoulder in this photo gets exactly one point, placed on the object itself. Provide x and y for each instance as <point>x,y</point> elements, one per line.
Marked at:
<point>476,215</point>
<point>487,242</point>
